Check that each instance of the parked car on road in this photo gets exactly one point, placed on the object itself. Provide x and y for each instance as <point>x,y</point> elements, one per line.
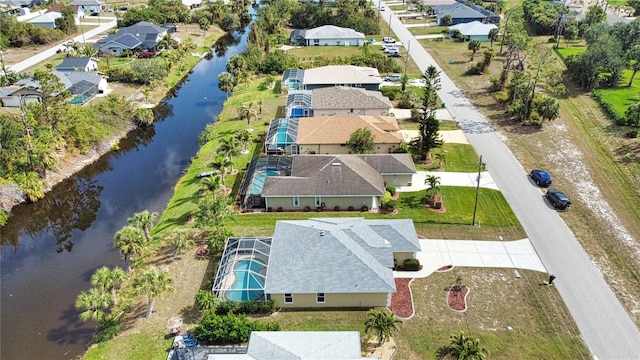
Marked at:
<point>558,199</point>
<point>388,40</point>
<point>393,77</point>
<point>540,177</point>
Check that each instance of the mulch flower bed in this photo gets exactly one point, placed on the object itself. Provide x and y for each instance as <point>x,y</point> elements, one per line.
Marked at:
<point>401,301</point>
<point>457,299</point>
<point>445,268</point>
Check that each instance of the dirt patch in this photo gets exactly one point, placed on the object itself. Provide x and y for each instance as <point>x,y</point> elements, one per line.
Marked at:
<point>382,352</point>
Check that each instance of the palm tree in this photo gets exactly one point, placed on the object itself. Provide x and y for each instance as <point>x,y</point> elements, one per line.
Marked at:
<point>433,184</point>
<point>206,300</point>
<point>244,137</point>
<point>381,323</point>
<point>108,280</point>
<point>181,242</point>
<point>93,303</point>
<point>212,183</point>
<point>493,35</point>
<point>131,241</point>
<point>166,42</point>
<point>404,80</point>
<point>474,46</point>
<point>88,51</point>
<point>442,159</point>
<point>144,220</point>
<point>152,283</point>
<point>465,348</point>
<point>229,147</point>
<point>222,163</point>
<point>548,108</point>
<point>226,82</point>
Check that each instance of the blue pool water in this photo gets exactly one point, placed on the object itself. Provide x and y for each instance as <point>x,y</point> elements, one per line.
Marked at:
<point>245,280</point>
<point>258,181</point>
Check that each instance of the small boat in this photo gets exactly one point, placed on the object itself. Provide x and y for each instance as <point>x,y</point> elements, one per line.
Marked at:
<point>207,173</point>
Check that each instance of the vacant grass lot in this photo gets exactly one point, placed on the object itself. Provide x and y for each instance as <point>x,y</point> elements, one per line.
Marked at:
<point>427,30</point>
<point>460,158</point>
<point>582,148</point>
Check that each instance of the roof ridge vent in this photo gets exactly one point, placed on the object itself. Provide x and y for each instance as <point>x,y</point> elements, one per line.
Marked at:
<point>322,233</point>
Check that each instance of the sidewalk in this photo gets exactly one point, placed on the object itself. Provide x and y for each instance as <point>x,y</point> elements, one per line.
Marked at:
<point>518,254</point>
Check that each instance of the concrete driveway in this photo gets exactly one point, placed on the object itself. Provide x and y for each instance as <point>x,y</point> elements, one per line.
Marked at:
<point>435,254</point>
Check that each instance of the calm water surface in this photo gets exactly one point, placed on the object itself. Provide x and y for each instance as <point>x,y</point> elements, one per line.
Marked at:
<point>51,248</point>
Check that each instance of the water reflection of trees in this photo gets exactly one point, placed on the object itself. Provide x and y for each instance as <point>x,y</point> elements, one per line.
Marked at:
<point>222,45</point>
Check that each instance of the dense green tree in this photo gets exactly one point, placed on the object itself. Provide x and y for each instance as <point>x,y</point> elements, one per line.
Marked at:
<point>66,23</point>
<point>361,141</point>
<point>213,329</point>
<point>152,283</point>
<point>108,280</point>
<point>633,57</point>
<point>474,46</point>
<point>382,323</point>
<point>131,242</point>
<point>446,20</point>
<point>148,71</point>
<point>493,35</point>
<point>206,300</point>
<point>429,124</point>
<point>633,114</point>
<point>182,241</point>
<point>548,108</point>
<point>595,15</point>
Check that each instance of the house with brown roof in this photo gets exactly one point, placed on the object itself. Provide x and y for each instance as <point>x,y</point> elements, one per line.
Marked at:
<point>323,181</point>
<point>339,100</point>
<point>330,134</point>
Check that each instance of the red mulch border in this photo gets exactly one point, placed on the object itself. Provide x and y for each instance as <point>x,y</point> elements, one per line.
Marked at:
<point>457,300</point>
<point>402,299</point>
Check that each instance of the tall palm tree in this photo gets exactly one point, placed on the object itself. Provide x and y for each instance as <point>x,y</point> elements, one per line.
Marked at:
<point>226,82</point>
<point>152,283</point>
<point>222,163</point>
<point>381,323</point>
<point>229,147</point>
<point>108,280</point>
<point>131,241</point>
<point>465,348</point>
<point>212,183</point>
<point>244,136</point>
<point>181,242</point>
<point>144,220</point>
<point>442,158</point>
<point>93,304</point>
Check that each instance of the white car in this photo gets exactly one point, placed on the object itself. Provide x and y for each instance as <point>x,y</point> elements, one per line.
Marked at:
<point>388,40</point>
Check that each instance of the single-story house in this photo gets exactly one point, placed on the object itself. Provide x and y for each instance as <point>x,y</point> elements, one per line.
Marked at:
<point>323,181</point>
<point>90,6</point>
<point>327,35</point>
<point>143,35</point>
<point>330,134</point>
<point>331,76</point>
<point>78,11</point>
<point>461,13</point>
<point>318,263</point>
<point>474,30</point>
<point>24,4</point>
<point>70,64</point>
<point>308,345</point>
<point>192,4</point>
<point>339,100</point>
<point>82,85</point>
<point>46,20</point>
<point>6,9</point>
<point>337,262</point>
<point>115,44</point>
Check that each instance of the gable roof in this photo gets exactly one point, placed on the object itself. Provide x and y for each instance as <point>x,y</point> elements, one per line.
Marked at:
<point>307,345</point>
<point>147,33</point>
<point>342,97</point>
<point>313,256</point>
<point>390,164</point>
<point>127,41</point>
<point>332,32</point>
<point>457,11</point>
<point>337,129</point>
<point>473,28</point>
<point>72,63</point>
<point>342,74</point>
<point>58,8</point>
<point>326,175</point>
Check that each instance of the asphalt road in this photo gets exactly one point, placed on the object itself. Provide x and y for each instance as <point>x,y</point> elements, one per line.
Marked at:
<point>606,327</point>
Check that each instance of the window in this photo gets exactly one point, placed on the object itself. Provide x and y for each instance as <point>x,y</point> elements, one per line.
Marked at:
<point>320,298</point>
<point>316,41</point>
<point>288,298</point>
<point>296,201</point>
<point>268,296</point>
<point>318,201</point>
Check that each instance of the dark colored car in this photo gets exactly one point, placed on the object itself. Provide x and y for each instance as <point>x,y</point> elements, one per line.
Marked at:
<point>394,54</point>
<point>558,199</point>
<point>540,177</point>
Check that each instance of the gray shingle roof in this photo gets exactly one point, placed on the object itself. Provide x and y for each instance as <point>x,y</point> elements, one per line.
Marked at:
<point>144,31</point>
<point>342,97</point>
<point>337,255</point>
<point>87,2</point>
<point>72,63</point>
<point>390,163</point>
<point>326,175</point>
<point>457,11</point>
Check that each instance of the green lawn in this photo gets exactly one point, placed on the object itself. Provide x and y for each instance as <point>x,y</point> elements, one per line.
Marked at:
<point>140,346</point>
<point>428,30</point>
<point>566,52</point>
<point>325,51</point>
<point>460,158</point>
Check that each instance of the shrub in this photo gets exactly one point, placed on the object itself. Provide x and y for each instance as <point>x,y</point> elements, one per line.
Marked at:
<point>269,209</point>
<point>307,208</point>
<point>267,307</point>
<point>364,208</point>
<point>350,208</point>
<point>277,87</point>
<point>229,329</point>
<point>389,205</point>
<point>412,265</point>
<point>391,189</point>
<point>279,209</point>
<point>226,307</point>
<point>247,307</point>
<point>629,134</point>
<point>336,208</point>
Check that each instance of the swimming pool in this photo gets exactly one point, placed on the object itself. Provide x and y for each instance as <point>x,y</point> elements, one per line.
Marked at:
<point>258,180</point>
<point>248,285</point>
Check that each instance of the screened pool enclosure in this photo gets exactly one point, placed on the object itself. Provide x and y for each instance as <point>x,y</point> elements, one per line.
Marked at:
<point>243,269</point>
<point>257,172</point>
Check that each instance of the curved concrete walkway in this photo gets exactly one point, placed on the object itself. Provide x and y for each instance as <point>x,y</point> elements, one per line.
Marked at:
<point>518,254</point>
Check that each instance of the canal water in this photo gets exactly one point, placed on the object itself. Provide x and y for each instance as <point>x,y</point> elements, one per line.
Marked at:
<point>51,248</point>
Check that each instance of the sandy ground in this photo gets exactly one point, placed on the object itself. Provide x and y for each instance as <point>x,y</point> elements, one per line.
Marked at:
<point>383,352</point>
